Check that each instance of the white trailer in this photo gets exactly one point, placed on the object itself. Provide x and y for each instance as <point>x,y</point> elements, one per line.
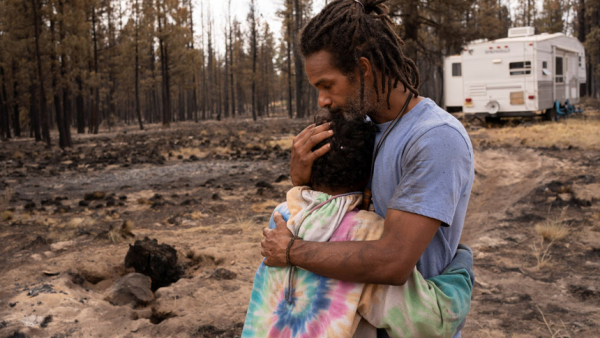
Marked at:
<point>521,75</point>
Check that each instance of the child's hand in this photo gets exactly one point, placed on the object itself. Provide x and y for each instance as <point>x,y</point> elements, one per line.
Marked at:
<point>274,245</point>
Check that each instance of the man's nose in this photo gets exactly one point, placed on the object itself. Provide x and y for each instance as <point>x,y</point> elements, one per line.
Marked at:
<point>324,101</point>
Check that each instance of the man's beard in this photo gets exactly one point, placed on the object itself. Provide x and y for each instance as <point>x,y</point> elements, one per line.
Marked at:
<point>353,110</point>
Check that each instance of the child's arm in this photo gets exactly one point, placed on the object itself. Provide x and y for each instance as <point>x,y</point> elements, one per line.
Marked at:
<point>435,307</point>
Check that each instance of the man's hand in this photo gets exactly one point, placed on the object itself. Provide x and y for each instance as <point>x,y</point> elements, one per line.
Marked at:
<point>302,155</point>
<point>274,245</point>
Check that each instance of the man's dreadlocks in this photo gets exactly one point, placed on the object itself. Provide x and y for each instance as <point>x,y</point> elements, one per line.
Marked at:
<point>351,29</point>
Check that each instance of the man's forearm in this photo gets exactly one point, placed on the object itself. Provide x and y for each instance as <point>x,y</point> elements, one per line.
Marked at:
<point>359,262</point>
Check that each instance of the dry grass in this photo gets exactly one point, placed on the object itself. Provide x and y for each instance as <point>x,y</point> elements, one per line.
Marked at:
<point>6,215</point>
<point>246,223</point>
<point>187,152</point>
<point>267,205</point>
<point>197,215</point>
<point>576,132</point>
<point>144,201</point>
<point>5,198</point>
<point>79,222</point>
<point>121,233</point>
<point>285,142</point>
<point>550,231</point>
<point>553,332</point>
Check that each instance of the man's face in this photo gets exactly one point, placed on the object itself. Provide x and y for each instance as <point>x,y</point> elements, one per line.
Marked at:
<point>338,92</point>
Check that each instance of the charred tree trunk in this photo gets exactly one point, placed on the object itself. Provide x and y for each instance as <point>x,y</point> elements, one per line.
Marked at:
<point>138,112</point>
<point>253,42</point>
<point>194,98</point>
<point>66,113</point>
<point>181,105</point>
<point>231,84</point>
<point>34,115</point>
<point>94,121</point>
<point>289,68</point>
<point>226,81</point>
<point>56,90</point>
<point>79,106</point>
<point>43,104</point>
<point>4,119</point>
<point>300,109</point>
<point>16,118</point>
<point>164,59</point>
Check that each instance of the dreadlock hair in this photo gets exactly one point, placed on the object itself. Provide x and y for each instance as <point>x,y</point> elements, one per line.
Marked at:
<point>348,163</point>
<point>351,29</point>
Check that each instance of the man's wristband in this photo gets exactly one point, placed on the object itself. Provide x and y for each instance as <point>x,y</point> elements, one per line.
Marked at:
<point>287,250</point>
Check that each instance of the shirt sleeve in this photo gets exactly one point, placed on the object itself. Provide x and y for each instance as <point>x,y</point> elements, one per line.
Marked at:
<point>435,172</point>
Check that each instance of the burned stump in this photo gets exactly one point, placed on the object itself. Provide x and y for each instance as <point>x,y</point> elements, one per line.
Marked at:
<point>157,261</point>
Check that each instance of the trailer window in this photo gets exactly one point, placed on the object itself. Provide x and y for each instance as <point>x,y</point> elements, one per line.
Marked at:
<point>559,70</point>
<point>456,69</point>
<point>520,68</point>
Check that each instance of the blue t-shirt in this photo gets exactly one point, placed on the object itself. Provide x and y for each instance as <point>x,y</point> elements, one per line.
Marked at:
<point>425,166</point>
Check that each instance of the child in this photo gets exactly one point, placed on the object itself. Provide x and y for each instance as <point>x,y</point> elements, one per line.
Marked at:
<point>292,302</point>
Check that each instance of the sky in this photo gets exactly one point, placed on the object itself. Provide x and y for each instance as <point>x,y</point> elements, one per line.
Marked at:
<point>266,10</point>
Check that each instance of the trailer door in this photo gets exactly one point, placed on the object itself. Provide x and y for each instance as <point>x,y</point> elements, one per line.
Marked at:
<point>453,83</point>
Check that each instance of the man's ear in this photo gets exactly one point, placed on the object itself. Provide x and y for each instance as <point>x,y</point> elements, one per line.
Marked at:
<point>365,67</point>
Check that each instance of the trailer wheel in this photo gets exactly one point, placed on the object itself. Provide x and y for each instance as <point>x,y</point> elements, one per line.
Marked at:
<point>550,115</point>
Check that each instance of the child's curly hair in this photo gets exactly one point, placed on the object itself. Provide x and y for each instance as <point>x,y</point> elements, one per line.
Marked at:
<point>348,162</point>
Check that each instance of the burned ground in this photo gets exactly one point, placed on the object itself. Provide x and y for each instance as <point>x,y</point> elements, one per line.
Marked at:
<point>208,189</point>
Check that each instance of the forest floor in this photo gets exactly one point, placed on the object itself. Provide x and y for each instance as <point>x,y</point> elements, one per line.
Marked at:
<point>208,189</point>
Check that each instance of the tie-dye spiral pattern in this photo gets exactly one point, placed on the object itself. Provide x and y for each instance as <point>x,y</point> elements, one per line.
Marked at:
<point>324,307</point>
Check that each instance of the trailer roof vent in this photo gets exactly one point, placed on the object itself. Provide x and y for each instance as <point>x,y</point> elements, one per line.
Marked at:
<point>521,31</point>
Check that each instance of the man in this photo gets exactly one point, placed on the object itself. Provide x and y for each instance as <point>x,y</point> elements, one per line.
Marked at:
<point>423,171</point>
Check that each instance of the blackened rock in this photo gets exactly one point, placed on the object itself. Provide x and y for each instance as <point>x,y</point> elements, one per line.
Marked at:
<point>18,334</point>
<point>281,178</point>
<point>83,203</point>
<point>47,320</point>
<point>189,202</point>
<point>96,195</point>
<point>157,261</point>
<point>263,184</point>
<point>29,205</point>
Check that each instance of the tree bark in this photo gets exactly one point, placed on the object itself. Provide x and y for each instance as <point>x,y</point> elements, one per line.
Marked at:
<point>43,104</point>
<point>79,106</point>
<point>34,115</point>
<point>289,62</point>
<point>4,118</point>
<point>231,83</point>
<point>300,109</point>
<point>94,121</point>
<point>138,112</point>
<point>16,118</point>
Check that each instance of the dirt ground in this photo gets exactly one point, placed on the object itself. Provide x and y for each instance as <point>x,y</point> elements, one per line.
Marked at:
<point>68,218</point>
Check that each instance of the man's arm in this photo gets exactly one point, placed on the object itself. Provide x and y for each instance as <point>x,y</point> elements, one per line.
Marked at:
<point>389,260</point>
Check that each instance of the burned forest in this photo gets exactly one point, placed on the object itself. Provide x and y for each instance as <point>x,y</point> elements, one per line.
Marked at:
<point>144,145</point>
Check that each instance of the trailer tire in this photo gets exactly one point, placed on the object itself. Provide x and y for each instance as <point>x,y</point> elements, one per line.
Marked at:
<point>550,115</point>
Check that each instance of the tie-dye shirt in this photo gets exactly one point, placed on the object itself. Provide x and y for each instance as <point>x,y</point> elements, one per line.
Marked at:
<point>292,302</point>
